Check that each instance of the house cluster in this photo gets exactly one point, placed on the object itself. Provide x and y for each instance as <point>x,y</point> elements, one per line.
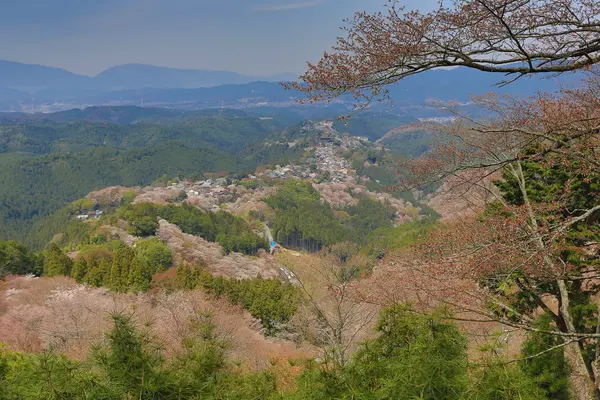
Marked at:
<point>210,187</point>
<point>289,171</point>
<point>90,215</point>
<point>328,161</point>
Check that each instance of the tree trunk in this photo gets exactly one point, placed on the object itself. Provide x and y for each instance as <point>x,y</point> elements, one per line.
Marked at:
<point>584,387</point>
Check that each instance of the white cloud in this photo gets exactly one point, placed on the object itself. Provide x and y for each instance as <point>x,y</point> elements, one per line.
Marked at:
<point>288,6</point>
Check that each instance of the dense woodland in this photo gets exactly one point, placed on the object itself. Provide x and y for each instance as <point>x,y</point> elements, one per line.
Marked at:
<point>48,164</point>
<point>303,221</point>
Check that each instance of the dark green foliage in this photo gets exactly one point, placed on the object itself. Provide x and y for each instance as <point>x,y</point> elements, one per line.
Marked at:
<point>497,380</point>
<point>222,129</point>
<point>245,242</point>
<point>548,181</point>
<point>45,376</point>
<point>142,226</point>
<point>560,193</point>
<point>56,262</point>
<point>154,253</point>
<point>131,365</point>
<point>302,220</point>
<point>367,216</point>
<point>388,240</point>
<point>41,185</point>
<point>197,366</point>
<point>63,229</point>
<point>117,266</point>
<point>16,259</point>
<point>233,233</point>
<point>409,141</point>
<point>98,272</point>
<point>270,300</point>
<point>549,370</point>
<point>188,277</point>
<point>376,164</point>
<point>132,362</point>
<point>372,125</point>
<point>80,269</point>
<point>415,357</point>
<point>121,269</point>
<point>47,164</point>
<point>272,153</point>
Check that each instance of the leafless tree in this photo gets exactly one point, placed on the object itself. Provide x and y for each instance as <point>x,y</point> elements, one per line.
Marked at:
<point>339,316</point>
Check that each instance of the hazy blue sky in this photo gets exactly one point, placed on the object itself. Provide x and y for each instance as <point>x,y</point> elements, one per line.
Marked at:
<point>257,37</point>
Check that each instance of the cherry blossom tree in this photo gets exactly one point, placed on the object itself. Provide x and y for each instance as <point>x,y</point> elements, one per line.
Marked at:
<point>535,248</point>
<point>512,37</point>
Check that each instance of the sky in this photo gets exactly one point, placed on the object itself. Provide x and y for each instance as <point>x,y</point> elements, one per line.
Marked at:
<point>255,37</point>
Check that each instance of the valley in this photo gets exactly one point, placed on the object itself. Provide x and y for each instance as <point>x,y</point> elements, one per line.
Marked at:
<point>415,216</point>
<point>141,245</point>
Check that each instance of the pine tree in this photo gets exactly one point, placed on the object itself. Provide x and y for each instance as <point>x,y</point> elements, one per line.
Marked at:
<point>56,262</point>
<point>98,272</point>
<point>80,269</point>
<point>549,370</point>
<point>132,362</point>
<point>120,268</point>
<point>140,276</point>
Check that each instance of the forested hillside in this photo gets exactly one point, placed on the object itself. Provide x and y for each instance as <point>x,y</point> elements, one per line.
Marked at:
<point>50,160</point>
<point>46,164</point>
<point>38,186</point>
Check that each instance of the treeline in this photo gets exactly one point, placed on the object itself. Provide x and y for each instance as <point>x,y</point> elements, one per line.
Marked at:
<point>303,221</point>
<point>113,265</point>
<point>227,130</point>
<point>121,268</point>
<point>230,231</point>
<point>271,301</point>
<point>413,356</point>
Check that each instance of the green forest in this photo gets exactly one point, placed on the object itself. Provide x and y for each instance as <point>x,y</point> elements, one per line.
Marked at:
<point>233,233</point>
<point>303,221</point>
<point>44,165</point>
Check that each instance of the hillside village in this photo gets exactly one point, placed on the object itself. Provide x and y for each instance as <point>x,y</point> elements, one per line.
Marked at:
<point>324,166</point>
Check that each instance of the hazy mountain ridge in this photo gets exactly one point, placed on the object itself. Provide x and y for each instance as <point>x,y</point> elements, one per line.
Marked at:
<point>30,88</point>
<point>35,78</point>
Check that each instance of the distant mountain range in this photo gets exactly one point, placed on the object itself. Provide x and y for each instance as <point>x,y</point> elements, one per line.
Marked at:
<point>35,78</point>
<point>25,87</point>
